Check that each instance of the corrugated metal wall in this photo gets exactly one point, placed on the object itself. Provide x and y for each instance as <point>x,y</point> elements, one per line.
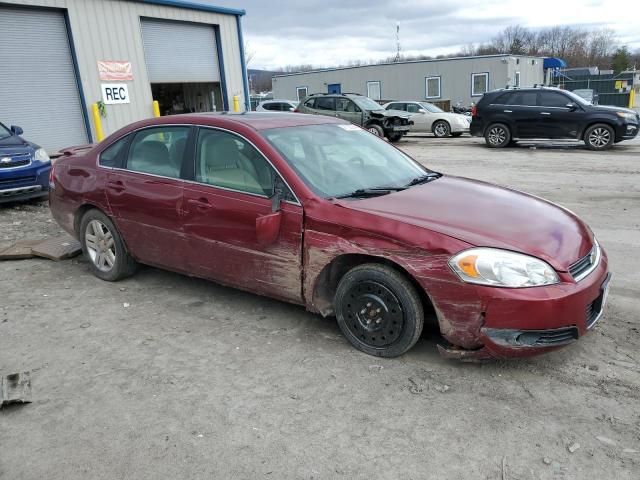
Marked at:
<point>110,30</point>
<point>406,81</point>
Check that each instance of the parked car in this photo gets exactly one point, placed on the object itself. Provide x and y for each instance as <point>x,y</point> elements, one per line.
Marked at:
<point>427,118</point>
<point>590,95</point>
<point>277,106</point>
<point>24,167</point>
<point>315,211</point>
<point>359,110</point>
<point>503,116</point>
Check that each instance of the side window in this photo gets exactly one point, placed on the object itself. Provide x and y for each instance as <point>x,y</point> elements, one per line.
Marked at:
<point>397,106</point>
<point>553,99</point>
<point>412,108</point>
<point>158,151</point>
<point>346,105</point>
<point>268,106</point>
<point>526,99</point>
<point>228,161</point>
<point>110,157</point>
<point>310,103</point>
<point>325,103</point>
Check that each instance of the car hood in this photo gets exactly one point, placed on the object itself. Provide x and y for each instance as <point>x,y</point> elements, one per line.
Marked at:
<point>487,215</point>
<point>389,113</point>
<point>609,108</point>
<point>14,144</point>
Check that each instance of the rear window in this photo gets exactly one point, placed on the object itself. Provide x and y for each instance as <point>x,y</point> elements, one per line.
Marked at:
<point>110,157</point>
<point>310,103</point>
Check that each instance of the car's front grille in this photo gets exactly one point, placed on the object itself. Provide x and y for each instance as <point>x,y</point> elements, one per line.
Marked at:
<point>594,309</point>
<point>17,180</point>
<point>586,264</point>
<point>19,160</point>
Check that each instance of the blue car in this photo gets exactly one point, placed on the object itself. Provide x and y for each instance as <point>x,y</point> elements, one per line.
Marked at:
<point>24,167</point>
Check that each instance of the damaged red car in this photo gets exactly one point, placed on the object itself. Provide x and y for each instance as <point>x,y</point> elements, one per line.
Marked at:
<point>315,211</point>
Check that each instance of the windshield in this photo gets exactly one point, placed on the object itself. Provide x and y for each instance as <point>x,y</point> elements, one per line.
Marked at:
<point>336,159</point>
<point>576,98</point>
<point>4,131</point>
<point>367,104</point>
<point>431,108</point>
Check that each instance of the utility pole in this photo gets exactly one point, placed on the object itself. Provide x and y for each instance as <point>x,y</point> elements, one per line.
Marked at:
<point>397,59</point>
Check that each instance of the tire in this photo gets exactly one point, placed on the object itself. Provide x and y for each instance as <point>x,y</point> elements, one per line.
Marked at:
<point>103,247</point>
<point>599,137</point>
<point>456,134</point>
<point>394,137</point>
<point>376,130</point>
<point>441,129</point>
<point>497,135</point>
<point>393,315</point>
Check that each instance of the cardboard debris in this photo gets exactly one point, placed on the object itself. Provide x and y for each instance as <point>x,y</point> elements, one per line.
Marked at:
<point>15,388</point>
<point>55,248</point>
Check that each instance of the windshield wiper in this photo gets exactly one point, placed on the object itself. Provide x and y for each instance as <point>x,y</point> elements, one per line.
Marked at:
<point>370,192</point>
<point>423,179</point>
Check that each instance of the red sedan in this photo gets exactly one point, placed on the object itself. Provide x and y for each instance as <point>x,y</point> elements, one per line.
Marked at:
<point>315,211</point>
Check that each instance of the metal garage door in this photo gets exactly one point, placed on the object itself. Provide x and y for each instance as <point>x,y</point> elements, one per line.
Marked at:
<point>38,89</point>
<point>179,52</point>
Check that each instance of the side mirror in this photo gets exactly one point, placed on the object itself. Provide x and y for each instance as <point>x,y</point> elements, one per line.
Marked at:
<point>16,130</point>
<point>268,226</point>
<point>571,106</point>
<point>422,110</point>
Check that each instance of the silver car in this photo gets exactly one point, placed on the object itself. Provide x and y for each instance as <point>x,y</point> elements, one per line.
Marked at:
<point>277,106</point>
<point>427,118</point>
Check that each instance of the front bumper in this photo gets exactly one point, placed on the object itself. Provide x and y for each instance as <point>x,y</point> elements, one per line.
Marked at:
<point>24,184</point>
<point>629,131</point>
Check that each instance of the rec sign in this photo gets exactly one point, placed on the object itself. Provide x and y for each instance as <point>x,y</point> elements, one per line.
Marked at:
<point>113,93</point>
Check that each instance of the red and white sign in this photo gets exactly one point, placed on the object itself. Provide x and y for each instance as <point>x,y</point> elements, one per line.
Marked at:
<point>110,70</point>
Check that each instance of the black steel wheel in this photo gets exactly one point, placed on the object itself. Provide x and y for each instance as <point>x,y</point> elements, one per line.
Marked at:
<point>379,310</point>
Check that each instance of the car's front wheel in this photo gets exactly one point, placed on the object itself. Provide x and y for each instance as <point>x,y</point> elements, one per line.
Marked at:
<point>376,130</point>
<point>441,129</point>
<point>378,310</point>
<point>395,137</point>
<point>497,135</point>
<point>599,137</point>
<point>102,245</point>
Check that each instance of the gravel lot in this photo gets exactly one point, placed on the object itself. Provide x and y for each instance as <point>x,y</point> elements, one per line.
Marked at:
<point>165,376</point>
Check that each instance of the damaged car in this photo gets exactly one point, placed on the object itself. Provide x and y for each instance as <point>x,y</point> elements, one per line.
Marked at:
<point>361,111</point>
<point>315,211</point>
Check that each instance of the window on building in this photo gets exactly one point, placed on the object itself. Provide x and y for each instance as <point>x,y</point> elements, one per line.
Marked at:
<point>432,87</point>
<point>374,91</point>
<point>516,81</point>
<point>228,161</point>
<point>479,84</point>
<point>158,151</point>
<point>302,92</point>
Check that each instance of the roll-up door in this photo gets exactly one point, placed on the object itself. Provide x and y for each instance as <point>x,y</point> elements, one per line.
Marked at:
<point>179,52</point>
<point>38,88</point>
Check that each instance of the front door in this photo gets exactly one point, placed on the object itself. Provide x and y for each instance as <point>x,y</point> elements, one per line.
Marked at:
<point>557,119</point>
<point>348,110</point>
<point>232,189</point>
<point>145,196</point>
<point>334,88</point>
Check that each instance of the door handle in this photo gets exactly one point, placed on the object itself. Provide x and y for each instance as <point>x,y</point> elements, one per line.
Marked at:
<point>200,203</point>
<point>508,111</point>
<point>117,186</point>
<point>545,113</point>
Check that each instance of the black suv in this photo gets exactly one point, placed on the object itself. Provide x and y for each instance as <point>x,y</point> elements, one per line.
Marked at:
<point>502,116</point>
<point>360,110</point>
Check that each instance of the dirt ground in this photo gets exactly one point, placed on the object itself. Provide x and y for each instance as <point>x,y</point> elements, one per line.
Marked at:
<point>165,376</point>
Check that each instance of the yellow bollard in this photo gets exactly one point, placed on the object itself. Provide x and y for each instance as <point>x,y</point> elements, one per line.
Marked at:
<point>156,108</point>
<point>632,98</point>
<point>97,122</point>
<point>236,103</point>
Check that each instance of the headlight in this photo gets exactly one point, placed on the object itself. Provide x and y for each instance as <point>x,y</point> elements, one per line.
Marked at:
<point>627,115</point>
<point>41,155</point>
<point>502,268</point>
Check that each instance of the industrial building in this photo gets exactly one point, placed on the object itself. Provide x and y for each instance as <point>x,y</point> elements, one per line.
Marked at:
<point>59,57</point>
<point>443,81</point>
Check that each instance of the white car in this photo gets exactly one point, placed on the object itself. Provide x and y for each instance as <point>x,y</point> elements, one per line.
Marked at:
<point>427,118</point>
<point>276,106</point>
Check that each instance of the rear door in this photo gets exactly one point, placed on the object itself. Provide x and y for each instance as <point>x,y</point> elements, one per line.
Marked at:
<point>325,106</point>
<point>145,196</point>
<point>348,110</point>
<point>520,106</point>
<point>557,119</point>
<point>232,186</point>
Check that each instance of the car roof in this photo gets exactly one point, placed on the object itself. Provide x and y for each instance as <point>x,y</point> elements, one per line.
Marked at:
<point>255,120</point>
<point>277,100</point>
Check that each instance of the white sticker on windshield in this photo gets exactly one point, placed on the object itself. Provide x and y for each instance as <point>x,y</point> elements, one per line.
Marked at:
<point>349,127</point>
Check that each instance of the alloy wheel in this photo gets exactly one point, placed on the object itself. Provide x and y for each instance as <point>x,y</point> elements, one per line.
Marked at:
<point>441,130</point>
<point>100,245</point>
<point>374,131</point>
<point>599,137</point>
<point>373,314</point>
<point>497,136</point>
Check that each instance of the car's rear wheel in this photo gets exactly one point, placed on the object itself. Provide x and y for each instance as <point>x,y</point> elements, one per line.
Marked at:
<point>441,129</point>
<point>103,247</point>
<point>599,137</point>
<point>497,135</point>
<point>379,310</point>
<point>376,130</point>
<point>394,137</point>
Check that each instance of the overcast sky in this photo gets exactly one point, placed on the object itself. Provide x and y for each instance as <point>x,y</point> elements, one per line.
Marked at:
<point>332,32</point>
